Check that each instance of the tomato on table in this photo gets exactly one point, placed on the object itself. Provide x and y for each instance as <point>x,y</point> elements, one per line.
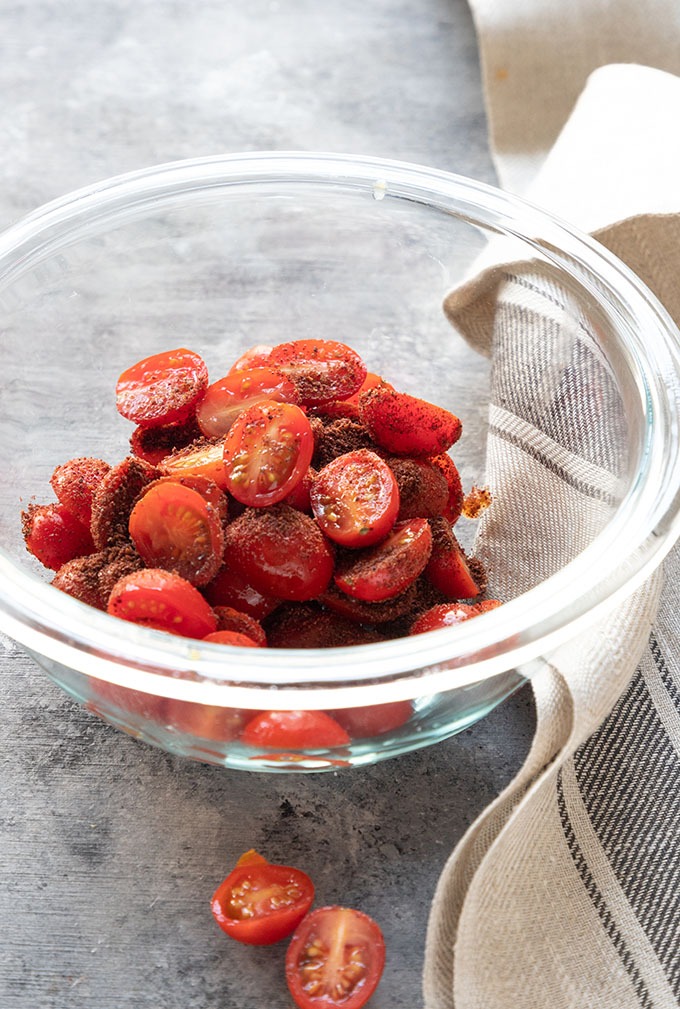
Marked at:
<point>175,528</point>
<point>335,959</point>
<point>164,601</point>
<point>355,499</point>
<point>295,730</point>
<point>322,370</point>
<point>260,903</point>
<point>267,452</point>
<point>162,389</point>
<point>229,396</point>
<point>385,570</point>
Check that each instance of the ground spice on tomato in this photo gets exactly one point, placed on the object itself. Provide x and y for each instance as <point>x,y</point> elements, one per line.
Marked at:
<point>301,625</point>
<point>340,436</point>
<point>91,579</point>
<point>370,613</point>
<point>423,490</point>
<point>152,444</point>
<point>114,499</point>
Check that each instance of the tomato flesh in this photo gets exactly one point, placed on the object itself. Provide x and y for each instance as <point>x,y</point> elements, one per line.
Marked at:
<point>162,389</point>
<point>267,452</point>
<point>385,570</point>
<point>335,958</point>
<point>260,903</point>
<point>254,357</point>
<point>164,601</point>
<point>322,370</point>
<point>296,730</point>
<point>355,499</point>
<point>201,458</point>
<point>227,398</point>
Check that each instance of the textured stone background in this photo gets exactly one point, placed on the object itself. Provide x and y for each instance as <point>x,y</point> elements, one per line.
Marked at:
<point>109,849</point>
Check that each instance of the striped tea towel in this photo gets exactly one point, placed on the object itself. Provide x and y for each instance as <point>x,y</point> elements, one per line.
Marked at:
<point>565,894</point>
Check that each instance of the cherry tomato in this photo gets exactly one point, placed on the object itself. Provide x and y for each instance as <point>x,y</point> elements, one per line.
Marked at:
<point>74,483</point>
<point>229,619</point>
<point>295,730</point>
<point>407,425</point>
<point>448,614</point>
<point>205,721</point>
<point>267,452</point>
<point>114,499</point>
<point>173,527</point>
<point>360,612</point>
<point>201,458</point>
<point>164,601</point>
<point>447,568</point>
<point>230,588</point>
<point>54,536</point>
<point>153,444</point>
<point>279,551</point>
<point>454,506</point>
<point>335,959</point>
<point>385,570</point>
<point>260,903</point>
<point>299,496</point>
<point>423,490</point>
<point>228,397</point>
<point>162,389</point>
<point>208,490</point>
<point>322,370</point>
<point>350,407</point>
<point>355,499</point>
<point>254,357</point>
<point>374,719</point>
<point>298,625</point>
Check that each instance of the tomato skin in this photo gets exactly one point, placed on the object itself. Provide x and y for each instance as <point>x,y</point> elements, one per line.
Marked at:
<point>267,452</point>
<point>153,444</point>
<point>162,389</point>
<point>448,614</point>
<point>374,719</point>
<point>295,730</point>
<point>322,370</point>
<point>406,425</point>
<point>423,490</point>
<point>230,619</point>
<point>350,407</point>
<point>234,638</point>
<point>54,536</point>
<point>164,601</point>
<point>229,588</point>
<point>447,568</point>
<point>387,569</point>
<point>254,357</point>
<point>260,903</point>
<point>335,959</point>
<point>74,483</point>
<point>229,396</point>
<point>446,466</point>
<point>280,551</point>
<point>355,499</point>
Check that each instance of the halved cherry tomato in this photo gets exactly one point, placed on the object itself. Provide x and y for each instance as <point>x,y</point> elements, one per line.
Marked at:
<point>114,498</point>
<point>407,425</point>
<point>228,397</point>
<point>229,619</point>
<point>374,719</point>
<point>322,370</point>
<point>74,483</point>
<point>254,357</point>
<point>267,452</point>
<point>208,490</point>
<point>445,464</point>
<point>230,588</point>
<point>335,959</point>
<point>299,625</point>
<point>260,903</point>
<point>350,407</point>
<point>447,568</point>
<point>162,389</point>
<point>54,536</point>
<point>423,490</point>
<point>164,601</point>
<point>153,444</point>
<point>173,527</point>
<point>295,730</point>
<point>201,458</point>
<point>280,551</point>
<point>390,567</point>
<point>355,499</point>
<point>448,614</point>
<point>234,638</point>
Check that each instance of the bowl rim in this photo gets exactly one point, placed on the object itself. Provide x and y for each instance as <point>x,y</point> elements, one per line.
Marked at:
<point>64,631</point>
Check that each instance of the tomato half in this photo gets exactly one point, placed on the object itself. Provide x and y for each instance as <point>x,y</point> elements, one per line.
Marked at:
<point>448,614</point>
<point>53,535</point>
<point>228,397</point>
<point>267,453</point>
<point>385,570</point>
<point>74,483</point>
<point>322,370</point>
<point>230,588</point>
<point>374,719</point>
<point>254,357</point>
<point>295,730</point>
<point>355,499</point>
<point>407,425</point>
<point>260,903</point>
<point>164,601</point>
<point>447,568</point>
<point>335,959</point>
<point>162,389</point>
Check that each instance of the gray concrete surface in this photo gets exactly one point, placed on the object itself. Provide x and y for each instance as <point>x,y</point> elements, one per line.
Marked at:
<point>109,849</point>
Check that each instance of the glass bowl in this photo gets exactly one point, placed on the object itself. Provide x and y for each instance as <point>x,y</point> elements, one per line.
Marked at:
<point>222,253</point>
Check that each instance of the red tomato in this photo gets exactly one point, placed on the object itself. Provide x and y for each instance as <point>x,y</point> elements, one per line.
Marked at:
<point>153,444</point>
<point>445,464</point>
<point>423,490</point>
<point>360,612</point>
<point>162,389</point>
<point>355,499</point>
<point>230,588</point>
<point>74,483</point>
<point>375,719</point>
<point>350,407</point>
<point>448,614</point>
<point>299,625</point>
<point>229,619</point>
<point>234,638</point>
<point>114,498</point>
<point>208,490</point>
<point>299,496</point>
<point>407,425</point>
<point>295,730</point>
<point>228,397</point>
<point>385,570</point>
<point>173,527</point>
<point>164,601</point>
<point>54,535</point>
<point>201,458</point>
<point>447,568</point>
<point>280,551</point>
<point>260,903</point>
<point>205,721</point>
<point>335,958</point>
<point>322,370</point>
<point>254,357</point>
<point>267,452</point>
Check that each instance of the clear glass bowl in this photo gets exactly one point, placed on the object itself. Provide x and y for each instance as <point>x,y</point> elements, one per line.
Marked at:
<point>219,254</point>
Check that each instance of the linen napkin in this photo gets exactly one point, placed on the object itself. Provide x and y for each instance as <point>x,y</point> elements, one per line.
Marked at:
<point>566,891</point>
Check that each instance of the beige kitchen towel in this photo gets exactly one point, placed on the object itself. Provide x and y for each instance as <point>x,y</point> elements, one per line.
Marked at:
<point>565,894</point>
